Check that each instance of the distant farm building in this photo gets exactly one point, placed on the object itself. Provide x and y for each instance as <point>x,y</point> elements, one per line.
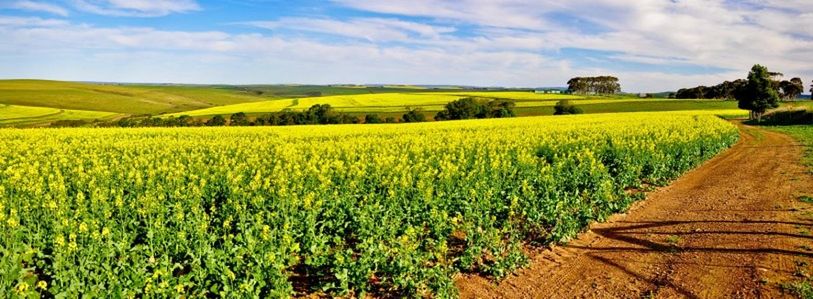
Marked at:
<point>549,91</point>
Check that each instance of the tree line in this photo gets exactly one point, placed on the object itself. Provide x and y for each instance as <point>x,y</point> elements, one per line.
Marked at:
<point>319,114</point>
<point>785,89</point>
<point>468,108</point>
<point>594,85</point>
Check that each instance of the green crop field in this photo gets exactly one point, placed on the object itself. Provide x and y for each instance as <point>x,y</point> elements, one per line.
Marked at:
<point>137,99</point>
<point>527,103</point>
<point>351,209</point>
<point>25,115</point>
<point>130,99</point>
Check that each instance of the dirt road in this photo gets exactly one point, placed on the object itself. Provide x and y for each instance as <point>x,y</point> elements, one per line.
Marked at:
<point>733,228</point>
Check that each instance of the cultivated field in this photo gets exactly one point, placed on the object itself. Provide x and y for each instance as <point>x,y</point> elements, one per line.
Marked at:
<point>14,115</point>
<point>155,99</point>
<point>527,103</point>
<point>333,210</point>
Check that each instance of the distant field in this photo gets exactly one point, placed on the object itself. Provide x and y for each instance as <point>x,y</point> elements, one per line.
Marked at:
<point>157,99</point>
<point>527,103</point>
<point>130,99</point>
<point>12,115</point>
<point>207,100</point>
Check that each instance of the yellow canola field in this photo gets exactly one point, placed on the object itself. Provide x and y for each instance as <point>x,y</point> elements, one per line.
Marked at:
<point>244,212</point>
<point>387,102</point>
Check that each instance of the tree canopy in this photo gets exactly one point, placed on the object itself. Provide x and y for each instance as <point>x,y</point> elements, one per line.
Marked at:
<point>563,107</point>
<point>759,94</point>
<point>594,85</point>
<point>467,108</point>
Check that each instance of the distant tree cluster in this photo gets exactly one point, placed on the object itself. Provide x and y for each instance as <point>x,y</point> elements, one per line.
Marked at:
<point>564,107</point>
<point>723,90</point>
<point>786,89</point>
<point>323,114</point>
<point>414,116</point>
<point>320,114</point>
<point>791,89</point>
<point>468,108</point>
<point>594,85</point>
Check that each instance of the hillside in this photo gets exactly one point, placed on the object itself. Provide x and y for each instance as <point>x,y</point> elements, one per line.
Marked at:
<point>130,99</point>
<point>14,115</point>
<point>158,99</point>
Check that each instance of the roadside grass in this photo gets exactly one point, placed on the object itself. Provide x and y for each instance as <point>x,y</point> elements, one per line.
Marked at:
<point>803,134</point>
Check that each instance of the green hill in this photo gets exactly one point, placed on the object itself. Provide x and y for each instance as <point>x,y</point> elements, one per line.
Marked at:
<point>15,115</point>
<point>130,99</point>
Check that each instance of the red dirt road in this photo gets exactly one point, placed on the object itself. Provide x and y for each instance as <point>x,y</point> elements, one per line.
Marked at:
<point>733,228</point>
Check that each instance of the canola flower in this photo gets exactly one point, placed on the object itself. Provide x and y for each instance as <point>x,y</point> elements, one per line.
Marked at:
<point>240,212</point>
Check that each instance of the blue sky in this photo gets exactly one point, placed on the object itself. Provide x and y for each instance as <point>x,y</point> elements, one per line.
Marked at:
<point>651,45</point>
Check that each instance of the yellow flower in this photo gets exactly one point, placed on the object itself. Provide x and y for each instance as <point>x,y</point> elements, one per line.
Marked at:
<point>42,285</point>
<point>21,288</point>
<point>12,223</point>
<point>266,232</point>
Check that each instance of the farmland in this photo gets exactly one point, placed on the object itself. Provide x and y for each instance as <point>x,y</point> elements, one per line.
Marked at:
<point>89,101</point>
<point>27,115</point>
<point>157,99</point>
<point>348,209</point>
<point>527,103</point>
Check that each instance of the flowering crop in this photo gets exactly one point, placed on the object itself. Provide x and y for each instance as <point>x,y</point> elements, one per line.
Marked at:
<point>350,209</point>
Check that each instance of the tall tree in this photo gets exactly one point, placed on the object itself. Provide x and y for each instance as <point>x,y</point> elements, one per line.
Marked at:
<point>759,93</point>
<point>790,90</point>
<point>595,85</point>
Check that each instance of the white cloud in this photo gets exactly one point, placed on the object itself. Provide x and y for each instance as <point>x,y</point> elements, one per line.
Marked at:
<point>136,8</point>
<point>37,6</point>
<point>474,42</point>
<point>707,33</point>
<point>371,29</point>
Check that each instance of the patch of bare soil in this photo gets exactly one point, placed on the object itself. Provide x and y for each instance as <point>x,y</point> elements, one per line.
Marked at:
<point>732,228</point>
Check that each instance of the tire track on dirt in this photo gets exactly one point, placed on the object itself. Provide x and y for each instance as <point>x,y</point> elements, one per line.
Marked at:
<point>732,228</point>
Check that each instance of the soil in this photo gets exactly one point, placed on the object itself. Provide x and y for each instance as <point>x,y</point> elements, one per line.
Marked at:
<point>732,228</point>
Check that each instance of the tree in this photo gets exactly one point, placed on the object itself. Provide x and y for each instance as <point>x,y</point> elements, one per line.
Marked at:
<point>413,116</point>
<point>790,90</point>
<point>501,108</point>
<point>464,108</point>
<point>759,93</point>
<point>372,119</point>
<point>238,119</point>
<point>184,121</point>
<point>216,121</point>
<point>564,107</point>
<point>321,114</point>
<point>595,85</point>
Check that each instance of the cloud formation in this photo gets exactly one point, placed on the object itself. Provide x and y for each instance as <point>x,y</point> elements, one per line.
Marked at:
<point>37,7</point>
<point>652,45</point>
<point>136,8</point>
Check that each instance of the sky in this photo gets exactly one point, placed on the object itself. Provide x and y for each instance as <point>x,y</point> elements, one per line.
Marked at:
<point>651,45</point>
